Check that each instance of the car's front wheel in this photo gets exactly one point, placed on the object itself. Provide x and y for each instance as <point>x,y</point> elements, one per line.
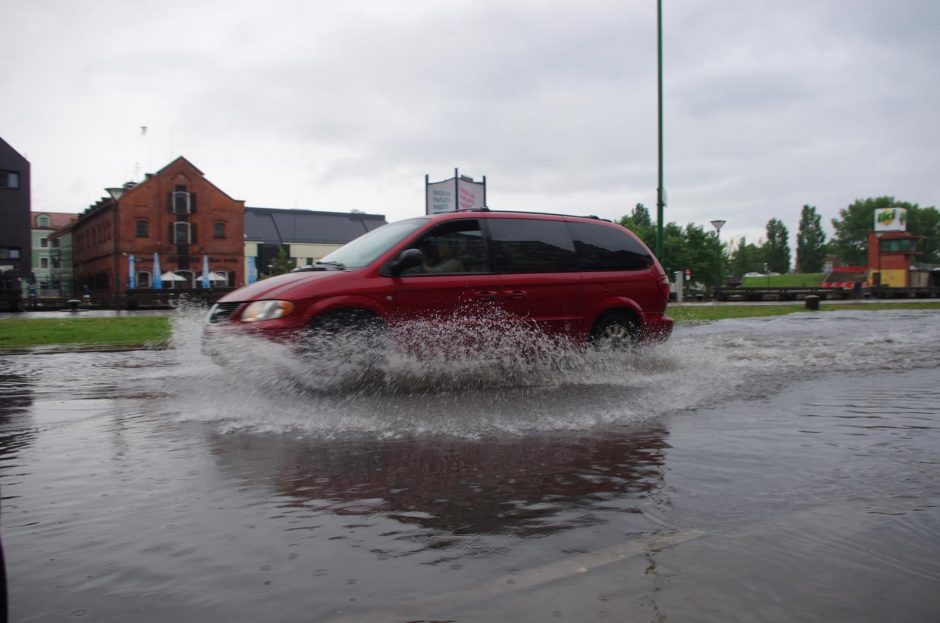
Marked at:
<point>344,333</point>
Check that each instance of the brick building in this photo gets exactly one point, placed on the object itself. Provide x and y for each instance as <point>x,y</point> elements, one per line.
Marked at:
<point>176,214</point>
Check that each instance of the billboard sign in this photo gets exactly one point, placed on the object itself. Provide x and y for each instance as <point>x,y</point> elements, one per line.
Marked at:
<point>891,219</point>
<point>456,194</point>
<point>441,197</point>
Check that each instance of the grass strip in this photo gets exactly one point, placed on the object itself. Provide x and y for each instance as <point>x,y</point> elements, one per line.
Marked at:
<point>154,331</point>
<point>793,280</point>
<point>696,313</point>
<point>131,332</point>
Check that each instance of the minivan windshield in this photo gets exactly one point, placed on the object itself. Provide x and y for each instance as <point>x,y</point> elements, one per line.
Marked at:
<point>367,248</point>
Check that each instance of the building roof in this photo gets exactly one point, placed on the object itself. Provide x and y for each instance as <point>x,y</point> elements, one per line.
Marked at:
<point>57,220</point>
<point>8,152</point>
<point>276,226</point>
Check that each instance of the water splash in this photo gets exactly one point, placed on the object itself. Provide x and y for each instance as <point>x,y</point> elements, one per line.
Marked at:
<point>478,375</point>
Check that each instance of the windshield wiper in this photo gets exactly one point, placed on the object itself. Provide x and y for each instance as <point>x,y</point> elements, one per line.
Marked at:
<point>319,265</point>
<point>336,265</point>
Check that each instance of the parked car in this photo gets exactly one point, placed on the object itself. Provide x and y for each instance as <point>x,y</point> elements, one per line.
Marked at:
<point>587,279</point>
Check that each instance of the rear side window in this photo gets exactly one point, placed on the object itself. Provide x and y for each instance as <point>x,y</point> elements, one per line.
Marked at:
<point>607,248</point>
<point>532,246</point>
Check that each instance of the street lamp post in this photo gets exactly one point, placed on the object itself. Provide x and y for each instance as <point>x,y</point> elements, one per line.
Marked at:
<point>718,224</point>
<point>116,196</point>
<point>661,190</point>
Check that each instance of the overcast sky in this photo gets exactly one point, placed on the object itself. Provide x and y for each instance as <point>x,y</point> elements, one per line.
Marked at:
<point>336,106</point>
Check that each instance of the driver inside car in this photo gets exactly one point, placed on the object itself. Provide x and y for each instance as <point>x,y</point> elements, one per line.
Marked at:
<point>443,259</point>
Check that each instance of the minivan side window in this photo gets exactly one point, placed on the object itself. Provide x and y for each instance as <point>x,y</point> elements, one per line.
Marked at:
<point>607,248</point>
<point>532,246</point>
<point>453,247</point>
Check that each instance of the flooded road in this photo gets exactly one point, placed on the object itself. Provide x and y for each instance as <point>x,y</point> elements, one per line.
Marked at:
<point>778,469</point>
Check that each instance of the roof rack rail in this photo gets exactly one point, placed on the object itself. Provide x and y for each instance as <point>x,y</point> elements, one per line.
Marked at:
<point>487,209</point>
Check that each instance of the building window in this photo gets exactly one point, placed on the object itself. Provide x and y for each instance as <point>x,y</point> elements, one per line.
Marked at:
<point>9,180</point>
<point>44,242</point>
<point>188,275</point>
<point>42,221</point>
<point>180,203</point>
<point>143,229</point>
<point>143,279</point>
<point>181,233</point>
<point>44,262</point>
<point>229,279</point>
<point>218,231</point>
<point>898,246</point>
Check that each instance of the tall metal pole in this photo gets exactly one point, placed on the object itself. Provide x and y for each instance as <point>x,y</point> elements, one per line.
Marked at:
<point>660,190</point>
<point>718,224</point>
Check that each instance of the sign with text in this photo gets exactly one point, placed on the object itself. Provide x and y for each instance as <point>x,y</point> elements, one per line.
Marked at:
<point>891,219</point>
<point>454,195</point>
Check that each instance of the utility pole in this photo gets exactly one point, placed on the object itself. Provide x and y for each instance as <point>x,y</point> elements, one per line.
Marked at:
<point>660,190</point>
<point>718,224</point>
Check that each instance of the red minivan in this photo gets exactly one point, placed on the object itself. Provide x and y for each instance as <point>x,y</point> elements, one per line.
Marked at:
<point>586,279</point>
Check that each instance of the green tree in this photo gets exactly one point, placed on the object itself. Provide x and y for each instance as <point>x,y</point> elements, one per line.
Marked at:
<point>850,242</point>
<point>282,263</point>
<point>810,242</point>
<point>777,247</point>
<point>690,248</point>
<point>746,258</point>
<point>704,255</point>
<point>926,222</point>
<point>856,221</point>
<point>641,216</point>
<point>639,223</point>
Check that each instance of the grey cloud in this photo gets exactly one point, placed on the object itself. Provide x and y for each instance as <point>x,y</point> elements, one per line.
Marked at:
<point>769,104</point>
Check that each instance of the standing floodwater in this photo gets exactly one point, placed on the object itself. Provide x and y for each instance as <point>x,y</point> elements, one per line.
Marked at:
<point>755,470</point>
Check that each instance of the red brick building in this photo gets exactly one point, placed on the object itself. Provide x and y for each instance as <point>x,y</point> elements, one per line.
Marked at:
<point>175,213</point>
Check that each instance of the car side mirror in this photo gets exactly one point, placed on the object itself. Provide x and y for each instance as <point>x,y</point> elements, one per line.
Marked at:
<point>409,258</point>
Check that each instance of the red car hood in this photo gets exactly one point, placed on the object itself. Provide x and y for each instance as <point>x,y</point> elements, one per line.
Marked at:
<point>281,286</point>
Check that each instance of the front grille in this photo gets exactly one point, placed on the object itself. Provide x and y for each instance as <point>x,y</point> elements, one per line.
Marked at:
<point>221,312</point>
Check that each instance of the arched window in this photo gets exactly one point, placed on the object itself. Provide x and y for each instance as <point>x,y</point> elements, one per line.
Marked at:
<point>218,231</point>
<point>189,276</point>
<point>42,221</point>
<point>229,279</point>
<point>143,228</point>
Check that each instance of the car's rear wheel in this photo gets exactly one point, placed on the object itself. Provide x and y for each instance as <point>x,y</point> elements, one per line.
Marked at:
<point>615,331</point>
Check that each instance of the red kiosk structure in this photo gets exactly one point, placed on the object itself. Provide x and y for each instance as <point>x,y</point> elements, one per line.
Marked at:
<point>893,257</point>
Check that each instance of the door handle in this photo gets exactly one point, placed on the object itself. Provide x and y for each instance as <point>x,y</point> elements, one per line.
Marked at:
<point>516,294</point>
<point>486,295</point>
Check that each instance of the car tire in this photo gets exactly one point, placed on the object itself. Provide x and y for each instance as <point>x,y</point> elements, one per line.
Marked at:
<point>344,332</point>
<point>614,331</point>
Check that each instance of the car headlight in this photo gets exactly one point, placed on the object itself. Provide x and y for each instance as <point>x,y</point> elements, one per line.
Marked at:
<point>266,310</point>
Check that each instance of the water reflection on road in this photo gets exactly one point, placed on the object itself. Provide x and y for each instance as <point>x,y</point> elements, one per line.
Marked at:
<point>453,488</point>
<point>777,469</point>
